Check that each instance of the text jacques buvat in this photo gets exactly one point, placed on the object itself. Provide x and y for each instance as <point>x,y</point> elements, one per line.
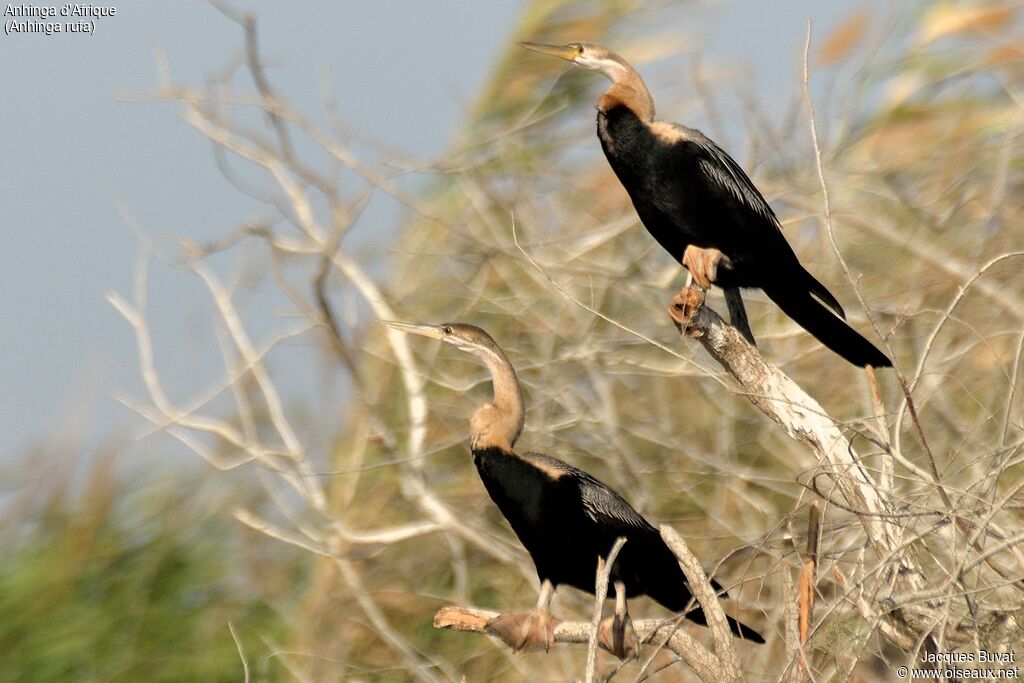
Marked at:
<point>46,19</point>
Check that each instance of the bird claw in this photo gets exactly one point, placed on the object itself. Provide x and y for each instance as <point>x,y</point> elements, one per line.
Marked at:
<point>525,631</point>
<point>617,635</point>
<point>703,264</point>
<point>684,307</point>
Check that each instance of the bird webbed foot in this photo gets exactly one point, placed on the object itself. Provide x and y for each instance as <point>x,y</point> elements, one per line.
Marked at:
<point>703,265</point>
<point>525,631</point>
<point>617,635</point>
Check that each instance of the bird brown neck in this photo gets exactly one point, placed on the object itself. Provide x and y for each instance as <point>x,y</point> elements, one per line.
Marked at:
<point>500,422</point>
<point>629,90</point>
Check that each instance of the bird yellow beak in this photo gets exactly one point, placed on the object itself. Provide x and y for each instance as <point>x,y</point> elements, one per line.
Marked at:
<point>562,51</point>
<point>432,331</point>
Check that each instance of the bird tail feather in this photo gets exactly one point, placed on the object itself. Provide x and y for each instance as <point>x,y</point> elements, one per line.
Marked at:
<point>737,627</point>
<point>671,590</point>
<point>821,292</point>
<point>813,315</point>
<point>744,631</point>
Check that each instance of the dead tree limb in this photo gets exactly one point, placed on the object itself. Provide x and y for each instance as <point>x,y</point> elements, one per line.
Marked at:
<point>803,418</point>
<point>722,638</point>
<point>657,632</point>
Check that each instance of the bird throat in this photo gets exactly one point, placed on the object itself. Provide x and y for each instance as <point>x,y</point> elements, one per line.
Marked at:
<point>499,423</point>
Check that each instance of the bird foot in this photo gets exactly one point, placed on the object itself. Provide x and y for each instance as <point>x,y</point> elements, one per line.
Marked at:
<point>703,264</point>
<point>684,307</point>
<point>616,635</point>
<point>525,631</point>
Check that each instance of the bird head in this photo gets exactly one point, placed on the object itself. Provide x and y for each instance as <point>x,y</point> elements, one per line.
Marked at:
<point>469,338</point>
<point>586,55</point>
<point>499,422</point>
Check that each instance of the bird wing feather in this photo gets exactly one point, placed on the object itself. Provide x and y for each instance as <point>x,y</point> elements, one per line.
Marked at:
<point>605,506</point>
<point>722,169</point>
<point>600,502</point>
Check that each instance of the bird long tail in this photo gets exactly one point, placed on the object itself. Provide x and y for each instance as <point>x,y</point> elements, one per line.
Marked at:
<point>743,631</point>
<point>821,292</point>
<point>671,590</point>
<point>737,627</point>
<point>796,301</point>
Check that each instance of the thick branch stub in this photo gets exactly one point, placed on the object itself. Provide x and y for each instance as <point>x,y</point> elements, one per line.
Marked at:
<point>463,619</point>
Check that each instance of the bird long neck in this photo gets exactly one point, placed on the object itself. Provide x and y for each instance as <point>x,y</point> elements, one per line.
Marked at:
<point>628,89</point>
<point>500,422</point>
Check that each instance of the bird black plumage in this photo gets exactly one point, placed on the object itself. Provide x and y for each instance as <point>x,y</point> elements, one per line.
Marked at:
<point>564,517</point>
<point>701,207</point>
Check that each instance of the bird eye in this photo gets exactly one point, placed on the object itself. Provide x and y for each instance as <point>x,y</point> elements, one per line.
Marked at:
<point>448,329</point>
<point>577,47</point>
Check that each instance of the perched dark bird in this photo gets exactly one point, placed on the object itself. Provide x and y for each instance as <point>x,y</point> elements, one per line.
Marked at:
<point>564,517</point>
<point>699,205</point>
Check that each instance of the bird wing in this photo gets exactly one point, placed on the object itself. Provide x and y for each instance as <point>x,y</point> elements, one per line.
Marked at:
<point>722,170</point>
<point>607,507</point>
<point>600,502</point>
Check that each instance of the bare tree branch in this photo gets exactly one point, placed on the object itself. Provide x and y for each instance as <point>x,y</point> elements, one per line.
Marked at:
<point>657,632</point>
<point>604,569</point>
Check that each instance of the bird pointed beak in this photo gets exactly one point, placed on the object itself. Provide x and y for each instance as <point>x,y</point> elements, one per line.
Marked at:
<point>561,51</point>
<point>432,331</point>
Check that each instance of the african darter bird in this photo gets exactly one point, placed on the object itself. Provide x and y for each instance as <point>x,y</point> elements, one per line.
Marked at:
<point>564,517</point>
<point>701,207</point>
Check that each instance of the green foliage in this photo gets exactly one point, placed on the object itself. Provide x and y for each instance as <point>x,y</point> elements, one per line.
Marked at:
<point>126,583</point>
